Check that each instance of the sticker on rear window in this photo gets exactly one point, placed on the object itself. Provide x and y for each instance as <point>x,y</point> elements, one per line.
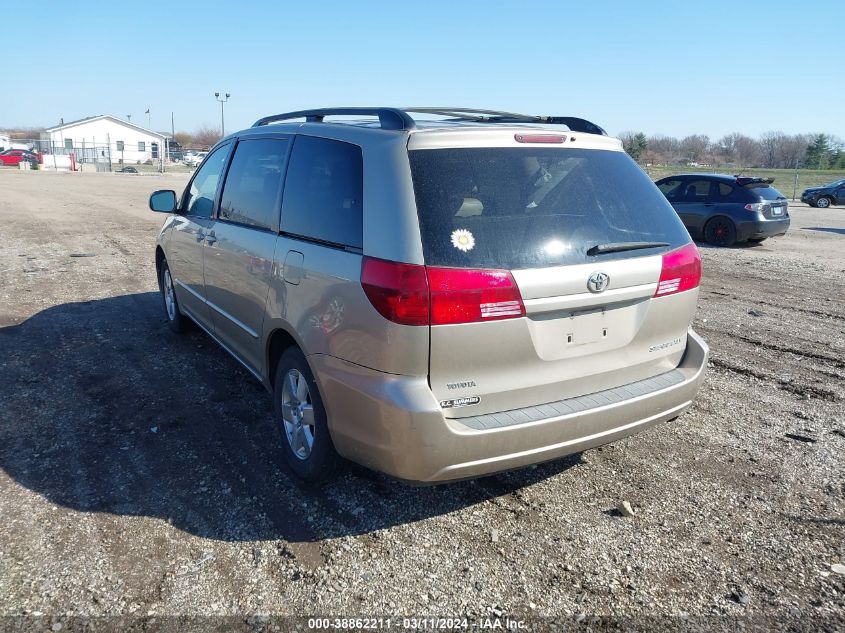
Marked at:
<point>460,402</point>
<point>463,240</point>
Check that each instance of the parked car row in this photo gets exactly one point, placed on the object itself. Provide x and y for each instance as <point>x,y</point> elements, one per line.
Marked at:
<point>192,159</point>
<point>12,157</point>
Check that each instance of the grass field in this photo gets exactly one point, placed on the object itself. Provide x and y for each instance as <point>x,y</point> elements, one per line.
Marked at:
<point>784,178</point>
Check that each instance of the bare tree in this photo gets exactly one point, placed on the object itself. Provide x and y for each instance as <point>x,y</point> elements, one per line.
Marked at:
<point>770,143</point>
<point>665,149</point>
<point>185,139</point>
<point>205,135</point>
<point>694,147</point>
<point>792,150</point>
<point>25,132</point>
<point>738,149</point>
<point>781,150</point>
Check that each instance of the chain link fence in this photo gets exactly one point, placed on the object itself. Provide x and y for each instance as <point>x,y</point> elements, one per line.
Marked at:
<point>105,157</point>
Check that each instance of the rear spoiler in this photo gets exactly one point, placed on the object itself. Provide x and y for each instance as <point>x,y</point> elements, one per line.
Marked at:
<point>744,181</point>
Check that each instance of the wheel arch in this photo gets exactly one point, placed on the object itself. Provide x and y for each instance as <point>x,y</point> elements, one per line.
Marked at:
<point>280,338</point>
<point>159,261</point>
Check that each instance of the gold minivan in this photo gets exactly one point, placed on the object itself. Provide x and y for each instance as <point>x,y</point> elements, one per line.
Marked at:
<point>441,296</point>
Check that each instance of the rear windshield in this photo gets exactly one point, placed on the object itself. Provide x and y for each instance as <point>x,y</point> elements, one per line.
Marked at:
<point>531,207</point>
<point>765,192</point>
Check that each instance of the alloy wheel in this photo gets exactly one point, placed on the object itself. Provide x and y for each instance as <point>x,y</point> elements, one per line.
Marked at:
<point>298,414</point>
<point>169,295</point>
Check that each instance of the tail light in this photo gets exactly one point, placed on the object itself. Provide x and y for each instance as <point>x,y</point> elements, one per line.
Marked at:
<point>757,206</point>
<point>410,294</point>
<point>468,295</point>
<point>681,271</point>
<point>399,292</point>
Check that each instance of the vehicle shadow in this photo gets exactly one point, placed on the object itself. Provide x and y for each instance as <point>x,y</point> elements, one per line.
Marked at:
<point>824,229</point>
<point>104,410</point>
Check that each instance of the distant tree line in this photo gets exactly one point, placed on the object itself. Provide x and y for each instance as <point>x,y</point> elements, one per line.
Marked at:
<point>770,150</point>
<point>203,137</point>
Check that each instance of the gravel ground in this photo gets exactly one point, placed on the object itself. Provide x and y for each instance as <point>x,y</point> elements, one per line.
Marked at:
<point>139,474</point>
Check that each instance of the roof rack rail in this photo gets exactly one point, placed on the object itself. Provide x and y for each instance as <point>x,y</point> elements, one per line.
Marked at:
<point>389,118</point>
<point>575,124</point>
<point>400,119</point>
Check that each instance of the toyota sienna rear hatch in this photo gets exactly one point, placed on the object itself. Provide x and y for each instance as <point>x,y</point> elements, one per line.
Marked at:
<point>554,271</point>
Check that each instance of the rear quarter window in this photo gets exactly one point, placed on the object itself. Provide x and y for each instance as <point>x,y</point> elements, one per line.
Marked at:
<point>532,207</point>
<point>323,195</point>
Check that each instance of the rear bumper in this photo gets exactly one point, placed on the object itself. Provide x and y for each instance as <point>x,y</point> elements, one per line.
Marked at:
<point>762,228</point>
<point>394,423</point>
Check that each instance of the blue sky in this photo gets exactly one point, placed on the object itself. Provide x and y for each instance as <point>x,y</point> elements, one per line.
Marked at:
<point>671,68</point>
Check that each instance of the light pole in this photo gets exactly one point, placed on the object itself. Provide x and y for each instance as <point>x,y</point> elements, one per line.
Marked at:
<point>222,101</point>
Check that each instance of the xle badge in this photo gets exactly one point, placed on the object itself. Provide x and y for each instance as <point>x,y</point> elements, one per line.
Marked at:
<point>459,402</point>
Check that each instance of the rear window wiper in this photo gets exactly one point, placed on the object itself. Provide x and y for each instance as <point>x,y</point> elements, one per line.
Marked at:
<point>618,247</point>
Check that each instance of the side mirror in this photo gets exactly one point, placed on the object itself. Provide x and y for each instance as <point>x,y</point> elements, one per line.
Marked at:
<point>163,201</point>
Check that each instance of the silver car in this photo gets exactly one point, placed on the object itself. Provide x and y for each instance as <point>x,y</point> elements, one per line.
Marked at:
<point>437,297</point>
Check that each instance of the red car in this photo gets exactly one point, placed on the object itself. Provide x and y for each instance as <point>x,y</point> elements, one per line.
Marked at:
<point>16,156</point>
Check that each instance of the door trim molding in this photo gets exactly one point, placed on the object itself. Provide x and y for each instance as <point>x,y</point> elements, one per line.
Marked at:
<point>220,310</point>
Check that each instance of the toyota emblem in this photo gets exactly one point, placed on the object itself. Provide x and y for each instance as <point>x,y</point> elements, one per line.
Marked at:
<point>598,282</point>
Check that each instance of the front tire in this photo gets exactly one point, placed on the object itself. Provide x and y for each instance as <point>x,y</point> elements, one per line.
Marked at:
<point>823,202</point>
<point>720,231</point>
<point>175,320</point>
<point>301,419</point>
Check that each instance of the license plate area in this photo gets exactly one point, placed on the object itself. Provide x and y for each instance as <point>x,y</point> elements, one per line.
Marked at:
<point>777,210</point>
<point>586,327</point>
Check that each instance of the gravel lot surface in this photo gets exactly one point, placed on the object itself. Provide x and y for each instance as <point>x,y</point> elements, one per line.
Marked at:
<point>139,471</point>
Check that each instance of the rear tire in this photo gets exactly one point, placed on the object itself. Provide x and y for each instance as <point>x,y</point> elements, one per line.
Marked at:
<point>823,202</point>
<point>720,231</point>
<point>175,320</point>
<point>301,420</point>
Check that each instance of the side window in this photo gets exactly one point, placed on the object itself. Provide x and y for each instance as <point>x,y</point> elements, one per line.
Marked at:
<point>254,182</point>
<point>671,189</point>
<point>696,191</point>
<point>725,190</point>
<point>323,196</point>
<point>199,198</point>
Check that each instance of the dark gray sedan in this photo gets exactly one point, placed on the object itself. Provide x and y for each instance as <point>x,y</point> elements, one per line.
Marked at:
<point>826,195</point>
<point>724,210</point>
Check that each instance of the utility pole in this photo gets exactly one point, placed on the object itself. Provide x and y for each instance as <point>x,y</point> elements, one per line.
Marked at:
<point>222,101</point>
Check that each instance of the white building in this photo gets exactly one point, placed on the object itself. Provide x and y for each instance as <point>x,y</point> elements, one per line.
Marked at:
<point>105,138</point>
<point>5,142</point>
